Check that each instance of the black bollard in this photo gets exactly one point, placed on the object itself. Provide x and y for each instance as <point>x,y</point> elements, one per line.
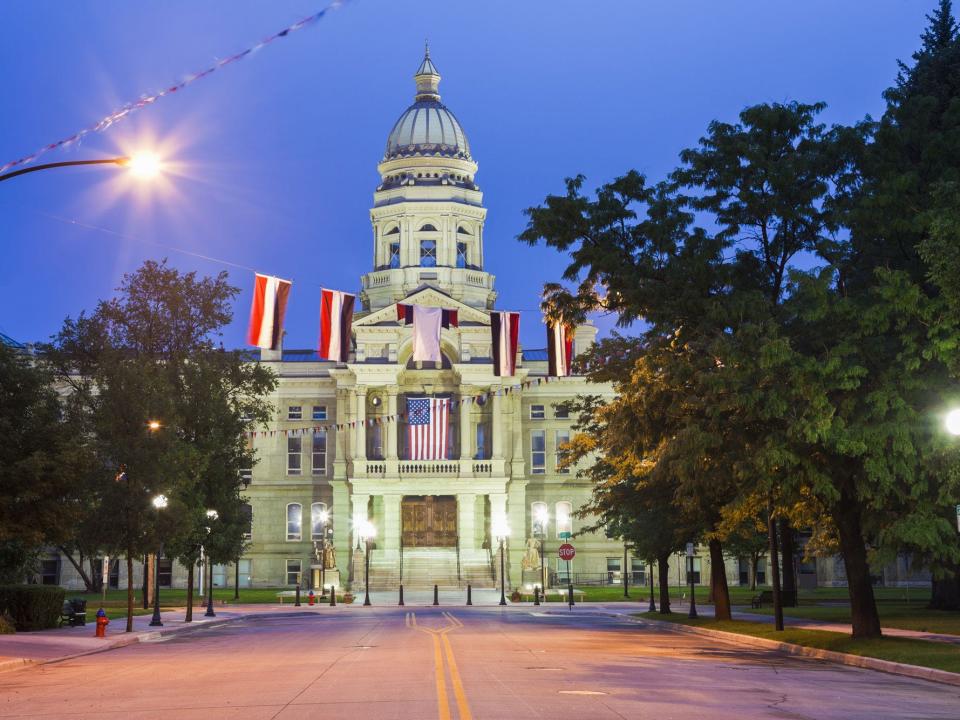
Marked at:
<point>297,596</point>
<point>570,590</point>
<point>401,596</point>
<point>469,595</point>
<point>536,595</point>
<point>436,596</point>
<point>333,596</point>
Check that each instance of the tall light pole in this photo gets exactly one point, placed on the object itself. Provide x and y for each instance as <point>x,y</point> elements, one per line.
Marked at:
<point>159,502</point>
<point>501,531</point>
<point>542,521</point>
<point>324,519</point>
<point>144,165</point>
<point>367,533</point>
<point>212,516</point>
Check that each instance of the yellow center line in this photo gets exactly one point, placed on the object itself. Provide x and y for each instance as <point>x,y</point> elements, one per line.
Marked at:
<point>443,701</point>
<point>443,704</point>
<point>462,705</point>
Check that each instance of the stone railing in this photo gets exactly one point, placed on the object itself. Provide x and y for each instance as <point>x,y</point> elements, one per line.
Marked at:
<point>482,467</point>
<point>429,467</point>
<point>376,468</point>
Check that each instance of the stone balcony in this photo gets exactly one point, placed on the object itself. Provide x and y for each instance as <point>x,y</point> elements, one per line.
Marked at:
<point>426,468</point>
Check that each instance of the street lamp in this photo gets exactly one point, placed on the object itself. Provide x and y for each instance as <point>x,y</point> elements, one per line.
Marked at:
<point>953,422</point>
<point>159,503</point>
<point>367,533</point>
<point>324,519</point>
<point>501,531</point>
<point>142,165</point>
<point>212,515</point>
<point>541,518</point>
<point>153,425</point>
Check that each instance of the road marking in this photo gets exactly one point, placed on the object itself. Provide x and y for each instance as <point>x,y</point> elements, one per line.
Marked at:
<point>580,692</point>
<point>438,635</point>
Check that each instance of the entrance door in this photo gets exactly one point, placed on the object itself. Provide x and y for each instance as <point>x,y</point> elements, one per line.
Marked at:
<point>429,521</point>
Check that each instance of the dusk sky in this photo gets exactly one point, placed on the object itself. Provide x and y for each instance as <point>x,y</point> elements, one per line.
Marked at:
<point>273,159</point>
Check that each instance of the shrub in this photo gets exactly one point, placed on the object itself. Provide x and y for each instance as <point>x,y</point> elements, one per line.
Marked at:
<point>6,625</point>
<point>32,607</point>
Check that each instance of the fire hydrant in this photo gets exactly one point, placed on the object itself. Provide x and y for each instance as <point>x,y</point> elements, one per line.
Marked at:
<point>310,598</point>
<point>102,622</point>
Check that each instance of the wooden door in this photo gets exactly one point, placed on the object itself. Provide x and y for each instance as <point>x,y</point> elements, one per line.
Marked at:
<point>429,521</point>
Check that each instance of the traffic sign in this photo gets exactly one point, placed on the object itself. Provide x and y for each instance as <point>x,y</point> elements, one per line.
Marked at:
<point>565,535</point>
<point>566,552</point>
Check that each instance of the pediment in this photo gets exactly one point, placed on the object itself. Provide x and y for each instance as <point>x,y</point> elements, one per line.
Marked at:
<point>429,297</point>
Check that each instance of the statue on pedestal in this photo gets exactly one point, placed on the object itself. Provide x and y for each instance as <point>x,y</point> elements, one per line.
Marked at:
<point>531,558</point>
<point>329,555</point>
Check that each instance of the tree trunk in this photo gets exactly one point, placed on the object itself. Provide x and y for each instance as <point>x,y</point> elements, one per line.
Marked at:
<point>663,564</point>
<point>78,566</point>
<point>788,551</point>
<point>129,590</point>
<point>774,567</point>
<point>236,580</point>
<point>189,616</point>
<point>754,564</point>
<point>945,593</point>
<point>863,607</point>
<point>96,575</point>
<point>718,582</point>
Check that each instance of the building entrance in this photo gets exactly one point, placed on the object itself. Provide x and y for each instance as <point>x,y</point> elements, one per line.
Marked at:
<point>429,521</point>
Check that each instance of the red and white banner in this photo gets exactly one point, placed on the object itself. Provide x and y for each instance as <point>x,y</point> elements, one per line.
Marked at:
<point>505,327</point>
<point>427,428</point>
<point>270,296</point>
<point>336,318</point>
<point>427,322</point>
<point>559,349</point>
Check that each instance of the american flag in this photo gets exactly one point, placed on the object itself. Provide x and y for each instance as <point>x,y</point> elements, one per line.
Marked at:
<point>427,428</point>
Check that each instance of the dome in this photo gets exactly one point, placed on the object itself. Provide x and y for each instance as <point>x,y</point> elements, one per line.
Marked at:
<point>427,127</point>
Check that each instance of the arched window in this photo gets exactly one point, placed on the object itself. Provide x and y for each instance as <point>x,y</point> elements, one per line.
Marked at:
<point>395,230</point>
<point>427,228</point>
<point>539,518</point>
<point>318,520</point>
<point>461,230</point>
<point>564,518</point>
<point>294,521</point>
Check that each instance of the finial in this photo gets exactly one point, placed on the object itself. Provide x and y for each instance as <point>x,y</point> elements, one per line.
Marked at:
<point>426,47</point>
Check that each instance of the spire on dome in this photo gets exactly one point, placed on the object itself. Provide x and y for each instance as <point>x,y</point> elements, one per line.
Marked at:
<point>427,78</point>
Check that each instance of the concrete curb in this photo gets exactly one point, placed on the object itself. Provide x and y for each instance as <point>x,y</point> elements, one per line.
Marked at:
<point>121,641</point>
<point>868,663</point>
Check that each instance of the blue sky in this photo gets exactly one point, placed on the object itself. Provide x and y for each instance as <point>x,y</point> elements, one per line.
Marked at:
<point>273,160</point>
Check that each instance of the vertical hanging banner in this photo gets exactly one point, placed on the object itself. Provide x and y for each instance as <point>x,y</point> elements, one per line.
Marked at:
<point>427,428</point>
<point>427,323</point>
<point>505,327</point>
<point>270,296</point>
<point>336,319</point>
<point>559,349</point>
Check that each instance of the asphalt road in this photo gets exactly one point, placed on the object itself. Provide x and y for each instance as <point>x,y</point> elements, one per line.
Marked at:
<point>457,663</point>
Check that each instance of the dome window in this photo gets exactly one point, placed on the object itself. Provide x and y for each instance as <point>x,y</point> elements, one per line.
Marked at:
<point>394,231</point>
<point>428,253</point>
<point>463,231</point>
<point>427,228</point>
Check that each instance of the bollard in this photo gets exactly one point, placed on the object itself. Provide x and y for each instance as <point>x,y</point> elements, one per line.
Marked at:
<point>297,596</point>
<point>469,595</point>
<point>333,596</point>
<point>536,595</point>
<point>570,590</point>
<point>102,622</point>
<point>436,596</point>
<point>311,599</point>
<point>401,596</point>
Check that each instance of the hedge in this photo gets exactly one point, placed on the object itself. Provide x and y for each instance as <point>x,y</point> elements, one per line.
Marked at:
<point>32,607</point>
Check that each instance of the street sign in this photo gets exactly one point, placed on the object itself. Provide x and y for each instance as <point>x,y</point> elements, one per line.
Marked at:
<point>566,552</point>
<point>565,535</point>
<point>689,549</point>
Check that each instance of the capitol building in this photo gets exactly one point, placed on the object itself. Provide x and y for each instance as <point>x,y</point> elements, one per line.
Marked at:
<point>432,521</point>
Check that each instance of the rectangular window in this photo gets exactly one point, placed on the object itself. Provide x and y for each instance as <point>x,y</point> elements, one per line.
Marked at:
<point>537,412</point>
<point>165,572</point>
<point>295,412</point>
<point>318,520</point>
<point>538,452</point>
<point>461,255</point>
<point>294,521</point>
<point>319,462</point>
<point>319,412</point>
<point>561,413</point>
<point>428,253</point>
<point>246,476</point>
<point>245,572</point>
<point>219,576</point>
<point>638,571</point>
<point>613,570</point>
<point>562,437</point>
<point>294,460</point>
<point>484,451</point>
<point>394,255</point>
<point>293,572</point>
<point>246,514</point>
<point>564,519</point>
<point>50,572</point>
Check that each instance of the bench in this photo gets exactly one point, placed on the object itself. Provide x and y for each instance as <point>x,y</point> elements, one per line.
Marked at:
<point>788,598</point>
<point>765,596</point>
<point>74,613</point>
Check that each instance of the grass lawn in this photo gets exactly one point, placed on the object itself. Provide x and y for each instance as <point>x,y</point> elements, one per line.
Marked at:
<point>914,652</point>
<point>909,616</point>
<point>178,596</point>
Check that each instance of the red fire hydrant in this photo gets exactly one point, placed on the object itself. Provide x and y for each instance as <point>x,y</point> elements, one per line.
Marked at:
<point>102,622</point>
<point>311,599</point>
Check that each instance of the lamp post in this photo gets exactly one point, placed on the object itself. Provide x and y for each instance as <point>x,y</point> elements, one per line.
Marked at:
<point>324,519</point>
<point>542,521</point>
<point>159,502</point>
<point>501,531</point>
<point>691,578</point>
<point>367,533</point>
<point>212,515</point>
<point>144,165</point>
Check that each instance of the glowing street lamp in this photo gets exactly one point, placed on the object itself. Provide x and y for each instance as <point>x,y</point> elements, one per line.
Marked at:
<point>153,425</point>
<point>367,533</point>
<point>952,422</point>
<point>501,531</point>
<point>212,515</point>
<point>159,502</point>
<point>541,518</point>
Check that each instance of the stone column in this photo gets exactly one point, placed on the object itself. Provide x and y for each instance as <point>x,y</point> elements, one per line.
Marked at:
<point>518,462</point>
<point>340,436</point>
<point>465,428</point>
<point>498,511</point>
<point>360,397</point>
<point>497,439</point>
<point>359,510</point>
<point>466,512</point>
<point>392,427</point>
<point>391,523</point>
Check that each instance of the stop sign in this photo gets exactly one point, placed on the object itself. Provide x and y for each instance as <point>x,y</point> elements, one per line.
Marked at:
<point>566,551</point>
